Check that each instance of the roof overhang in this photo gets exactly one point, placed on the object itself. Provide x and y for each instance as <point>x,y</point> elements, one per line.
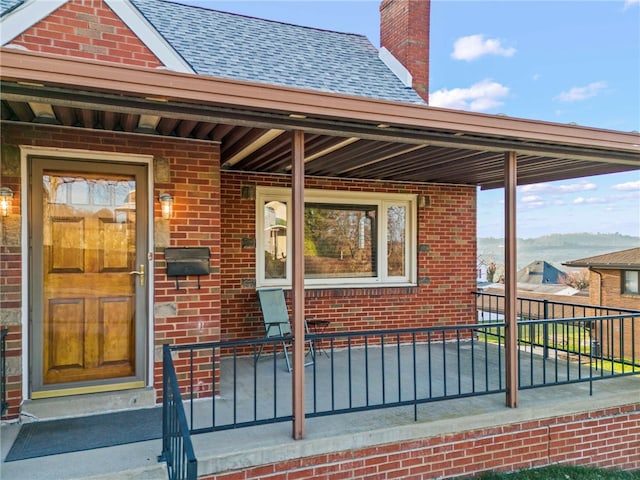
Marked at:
<point>604,266</point>
<point>396,141</point>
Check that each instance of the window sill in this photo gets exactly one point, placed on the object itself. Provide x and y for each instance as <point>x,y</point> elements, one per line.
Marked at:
<point>317,291</point>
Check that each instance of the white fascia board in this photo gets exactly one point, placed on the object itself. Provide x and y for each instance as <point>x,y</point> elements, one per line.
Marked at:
<point>155,42</point>
<point>396,67</point>
<point>26,16</point>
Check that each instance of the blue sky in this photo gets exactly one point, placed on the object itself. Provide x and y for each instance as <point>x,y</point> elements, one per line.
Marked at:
<point>566,62</point>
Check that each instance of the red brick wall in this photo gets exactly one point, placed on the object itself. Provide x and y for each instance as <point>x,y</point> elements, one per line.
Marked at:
<point>447,226</point>
<point>10,279</point>
<point>193,180</point>
<point>607,438</point>
<point>605,288</point>
<point>404,31</point>
<point>87,29</point>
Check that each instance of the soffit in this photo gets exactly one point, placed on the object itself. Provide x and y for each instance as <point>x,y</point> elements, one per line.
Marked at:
<point>345,137</point>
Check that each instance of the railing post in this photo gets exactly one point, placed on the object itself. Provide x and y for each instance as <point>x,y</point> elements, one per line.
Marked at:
<point>177,449</point>
<point>546,309</point>
<point>165,404</point>
<point>545,330</point>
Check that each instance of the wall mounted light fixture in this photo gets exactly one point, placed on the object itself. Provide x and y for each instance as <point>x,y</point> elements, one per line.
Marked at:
<point>6,199</point>
<point>166,205</point>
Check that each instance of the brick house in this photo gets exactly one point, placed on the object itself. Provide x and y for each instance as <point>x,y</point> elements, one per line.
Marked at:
<point>613,282</point>
<point>108,106</point>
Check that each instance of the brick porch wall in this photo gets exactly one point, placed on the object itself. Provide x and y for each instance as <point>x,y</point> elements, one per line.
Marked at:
<point>607,438</point>
<point>186,170</point>
<point>446,263</point>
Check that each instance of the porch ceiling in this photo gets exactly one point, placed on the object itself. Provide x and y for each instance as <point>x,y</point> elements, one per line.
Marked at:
<point>345,137</point>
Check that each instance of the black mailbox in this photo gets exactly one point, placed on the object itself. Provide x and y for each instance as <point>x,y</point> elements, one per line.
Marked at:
<point>185,261</point>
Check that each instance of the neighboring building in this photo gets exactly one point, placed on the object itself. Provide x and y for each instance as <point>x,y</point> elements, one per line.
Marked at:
<point>614,280</point>
<point>542,277</point>
<point>540,273</point>
<point>111,107</point>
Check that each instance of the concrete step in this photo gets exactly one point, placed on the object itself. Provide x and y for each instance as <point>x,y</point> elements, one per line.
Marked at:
<point>87,404</point>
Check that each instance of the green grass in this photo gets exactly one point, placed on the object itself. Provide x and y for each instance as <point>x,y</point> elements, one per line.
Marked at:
<point>562,472</point>
<point>573,338</point>
<point>564,337</point>
<point>617,367</point>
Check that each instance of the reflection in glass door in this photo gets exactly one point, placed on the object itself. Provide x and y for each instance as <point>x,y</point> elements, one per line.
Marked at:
<point>88,273</point>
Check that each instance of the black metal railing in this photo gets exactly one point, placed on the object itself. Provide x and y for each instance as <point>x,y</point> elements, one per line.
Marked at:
<point>568,329</point>
<point>177,449</point>
<point>352,371</point>
<point>491,307</point>
<point>557,352</point>
<point>3,370</point>
<point>225,385</point>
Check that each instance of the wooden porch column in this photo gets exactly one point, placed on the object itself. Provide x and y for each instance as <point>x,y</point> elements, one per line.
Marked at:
<point>297,192</point>
<point>510,279</point>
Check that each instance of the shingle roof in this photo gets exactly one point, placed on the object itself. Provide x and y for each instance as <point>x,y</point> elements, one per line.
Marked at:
<point>540,272</point>
<point>7,5</point>
<point>621,259</point>
<point>245,48</point>
<point>239,47</point>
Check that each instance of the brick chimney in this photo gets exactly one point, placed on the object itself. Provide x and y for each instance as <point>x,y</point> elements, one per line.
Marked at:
<point>404,31</point>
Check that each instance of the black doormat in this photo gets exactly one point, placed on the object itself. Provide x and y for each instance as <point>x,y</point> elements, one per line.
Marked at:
<point>52,437</point>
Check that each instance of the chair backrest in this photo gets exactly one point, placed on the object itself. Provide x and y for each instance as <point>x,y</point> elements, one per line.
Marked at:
<point>274,312</point>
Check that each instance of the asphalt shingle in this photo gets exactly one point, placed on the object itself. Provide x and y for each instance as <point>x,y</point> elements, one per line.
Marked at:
<point>7,5</point>
<point>238,47</point>
<point>629,258</point>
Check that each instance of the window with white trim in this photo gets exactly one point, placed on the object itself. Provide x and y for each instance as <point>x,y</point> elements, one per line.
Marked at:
<point>631,282</point>
<point>351,238</point>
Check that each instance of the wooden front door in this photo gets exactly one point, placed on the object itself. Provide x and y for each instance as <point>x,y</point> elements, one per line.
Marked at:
<point>88,271</point>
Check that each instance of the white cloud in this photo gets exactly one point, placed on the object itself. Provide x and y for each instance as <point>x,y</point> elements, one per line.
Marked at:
<point>480,97</point>
<point>559,189</point>
<point>577,187</point>
<point>589,200</point>
<point>475,46</point>
<point>536,187</point>
<point>577,94</point>
<point>533,201</point>
<point>632,195</point>
<point>628,185</point>
<point>630,3</point>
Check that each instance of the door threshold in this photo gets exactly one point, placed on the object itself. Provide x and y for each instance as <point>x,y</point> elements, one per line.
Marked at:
<point>67,392</point>
<point>86,404</point>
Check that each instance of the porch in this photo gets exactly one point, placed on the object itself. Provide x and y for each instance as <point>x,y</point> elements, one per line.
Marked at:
<point>369,390</point>
<point>245,138</point>
<point>247,448</point>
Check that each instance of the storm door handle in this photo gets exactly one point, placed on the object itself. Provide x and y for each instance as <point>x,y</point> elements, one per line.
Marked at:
<point>140,274</point>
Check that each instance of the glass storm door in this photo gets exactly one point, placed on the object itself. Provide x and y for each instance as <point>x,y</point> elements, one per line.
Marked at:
<point>89,260</point>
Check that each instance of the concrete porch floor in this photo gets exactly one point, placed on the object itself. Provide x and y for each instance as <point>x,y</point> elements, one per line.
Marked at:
<point>242,448</point>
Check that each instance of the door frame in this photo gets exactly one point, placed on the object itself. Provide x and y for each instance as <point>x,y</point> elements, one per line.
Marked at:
<point>79,155</point>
